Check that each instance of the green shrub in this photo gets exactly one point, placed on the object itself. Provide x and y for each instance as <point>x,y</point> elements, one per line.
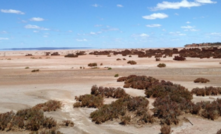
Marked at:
<point>26,67</point>
<point>109,68</point>
<point>161,65</point>
<point>116,75</point>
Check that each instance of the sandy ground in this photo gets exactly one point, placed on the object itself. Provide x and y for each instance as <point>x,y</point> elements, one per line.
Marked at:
<point>62,79</point>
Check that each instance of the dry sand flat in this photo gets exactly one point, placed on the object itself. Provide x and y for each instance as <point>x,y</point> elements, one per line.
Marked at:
<point>62,79</point>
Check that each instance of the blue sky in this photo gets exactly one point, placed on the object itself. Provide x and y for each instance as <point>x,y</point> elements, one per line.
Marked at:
<point>108,23</point>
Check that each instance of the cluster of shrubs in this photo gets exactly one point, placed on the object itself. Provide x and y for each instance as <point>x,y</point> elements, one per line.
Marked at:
<point>32,119</point>
<point>158,53</point>
<point>137,82</point>
<point>92,64</point>
<point>88,100</point>
<point>161,65</point>
<point>71,55</point>
<point>46,131</point>
<point>179,58</point>
<point>51,105</point>
<point>35,70</point>
<point>127,109</point>
<point>157,59</point>
<point>55,54</point>
<point>28,55</point>
<point>108,92</point>
<point>132,62</point>
<point>206,91</point>
<point>201,80</point>
<point>118,59</point>
<point>96,98</point>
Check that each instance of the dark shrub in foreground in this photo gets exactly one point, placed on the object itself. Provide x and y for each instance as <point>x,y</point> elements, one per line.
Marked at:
<point>35,70</point>
<point>179,58</point>
<point>132,62</point>
<point>71,56</point>
<point>92,64</point>
<point>89,101</point>
<point>108,92</point>
<point>206,91</point>
<point>201,80</point>
<point>165,129</point>
<point>218,132</point>
<point>51,105</point>
<point>119,108</point>
<point>161,65</point>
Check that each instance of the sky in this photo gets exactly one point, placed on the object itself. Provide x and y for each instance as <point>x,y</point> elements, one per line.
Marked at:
<point>108,23</point>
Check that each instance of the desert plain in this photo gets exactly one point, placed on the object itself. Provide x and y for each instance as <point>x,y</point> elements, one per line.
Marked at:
<point>63,78</point>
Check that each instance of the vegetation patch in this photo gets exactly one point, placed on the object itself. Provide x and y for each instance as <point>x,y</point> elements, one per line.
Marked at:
<point>179,58</point>
<point>132,62</point>
<point>35,70</point>
<point>127,109</point>
<point>92,64</point>
<point>88,100</point>
<point>206,91</point>
<point>201,80</point>
<point>161,65</point>
<point>51,105</point>
<point>108,92</point>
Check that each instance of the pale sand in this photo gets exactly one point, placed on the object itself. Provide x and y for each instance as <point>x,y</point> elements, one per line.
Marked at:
<point>62,79</point>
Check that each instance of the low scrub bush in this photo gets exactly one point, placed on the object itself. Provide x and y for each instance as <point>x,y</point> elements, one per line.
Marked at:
<point>119,108</point>
<point>35,70</point>
<point>218,132</point>
<point>132,62</point>
<point>137,82</point>
<point>165,129</point>
<point>108,92</point>
<point>68,123</point>
<point>89,101</point>
<point>71,56</point>
<point>206,91</point>
<point>51,105</point>
<point>118,59</point>
<point>116,75</point>
<point>92,64</point>
<point>47,131</point>
<point>26,67</point>
<point>157,59</point>
<point>179,58</point>
<point>201,80</point>
<point>161,65</point>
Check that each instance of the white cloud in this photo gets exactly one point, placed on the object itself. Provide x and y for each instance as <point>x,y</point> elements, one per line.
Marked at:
<point>1,38</point>
<point>155,16</point>
<point>35,31</point>
<point>95,5</point>
<point>215,34</point>
<point>177,33</point>
<point>188,22</point>
<point>119,5</point>
<point>37,19</point>
<point>98,25</point>
<point>144,35</point>
<point>12,11</point>
<point>182,4</point>
<point>80,40</point>
<point>4,32</point>
<point>154,25</point>
<point>176,14</point>
<point>206,1</point>
<point>92,33</point>
<point>35,27</point>
<point>189,28</point>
